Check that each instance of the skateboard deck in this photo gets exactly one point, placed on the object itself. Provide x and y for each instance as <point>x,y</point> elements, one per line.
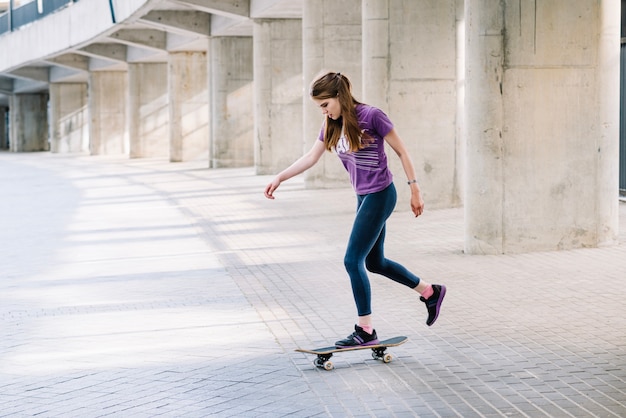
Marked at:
<point>378,352</point>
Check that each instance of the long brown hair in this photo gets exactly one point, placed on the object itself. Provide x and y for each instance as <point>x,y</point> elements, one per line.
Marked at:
<point>337,85</point>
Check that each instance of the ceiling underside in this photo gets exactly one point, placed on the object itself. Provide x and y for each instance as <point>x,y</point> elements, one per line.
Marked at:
<point>168,26</point>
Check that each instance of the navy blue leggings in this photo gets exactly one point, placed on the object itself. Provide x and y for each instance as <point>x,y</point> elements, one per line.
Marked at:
<point>366,248</point>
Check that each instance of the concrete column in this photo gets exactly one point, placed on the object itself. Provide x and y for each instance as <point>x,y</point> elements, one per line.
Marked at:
<point>188,106</point>
<point>148,111</point>
<point>331,33</point>
<point>461,144</point>
<point>29,122</point>
<point>69,118</point>
<point>607,100</point>
<point>278,93</point>
<point>107,112</point>
<point>232,136</point>
<point>542,123</point>
<point>409,70</point>
<point>4,133</point>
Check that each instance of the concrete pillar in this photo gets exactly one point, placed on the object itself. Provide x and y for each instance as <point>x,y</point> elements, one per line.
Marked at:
<point>542,123</point>
<point>232,95</point>
<point>409,71</point>
<point>108,93</point>
<point>331,42</point>
<point>4,133</point>
<point>188,106</point>
<point>278,93</point>
<point>148,110</point>
<point>460,101</point>
<point>69,118</point>
<point>29,122</point>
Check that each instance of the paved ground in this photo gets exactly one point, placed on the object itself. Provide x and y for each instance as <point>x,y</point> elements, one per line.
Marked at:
<point>138,288</point>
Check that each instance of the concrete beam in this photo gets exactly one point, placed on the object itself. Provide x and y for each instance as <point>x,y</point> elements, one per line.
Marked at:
<point>68,68</point>
<point>67,75</point>
<point>276,9</point>
<point>111,52</point>
<point>179,22</point>
<point>32,73</point>
<point>178,43</point>
<point>22,85</point>
<point>223,26</point>
<point>71,60</point>
<point>143,38</point>
<point>98,64</point>
<point>142,55</point>
<point>6,85</point>
<point>236,9</point>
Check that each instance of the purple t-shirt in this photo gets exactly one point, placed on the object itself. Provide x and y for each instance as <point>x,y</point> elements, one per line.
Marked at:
<point>367,167</point>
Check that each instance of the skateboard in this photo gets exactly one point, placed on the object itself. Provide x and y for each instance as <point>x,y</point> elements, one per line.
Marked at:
<point>378,352</point>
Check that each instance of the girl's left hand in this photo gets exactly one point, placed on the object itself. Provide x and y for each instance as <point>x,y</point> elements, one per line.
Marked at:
<point>417,204</point>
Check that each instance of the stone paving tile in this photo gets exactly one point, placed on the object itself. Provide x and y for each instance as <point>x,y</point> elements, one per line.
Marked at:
<point>141,288</point>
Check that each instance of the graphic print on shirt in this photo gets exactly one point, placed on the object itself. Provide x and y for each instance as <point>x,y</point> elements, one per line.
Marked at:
<point>364,159</point>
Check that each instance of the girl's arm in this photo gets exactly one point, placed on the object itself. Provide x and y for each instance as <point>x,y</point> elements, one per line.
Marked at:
<point>394,140</point>
<point>302,164</point>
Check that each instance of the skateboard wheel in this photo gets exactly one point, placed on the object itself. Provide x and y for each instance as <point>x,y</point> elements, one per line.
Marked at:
<point>318,363</point>
<point>328,365</point>
<point>387,358</point>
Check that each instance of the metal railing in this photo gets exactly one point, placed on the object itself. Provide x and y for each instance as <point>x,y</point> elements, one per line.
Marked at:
<point>16,17</point>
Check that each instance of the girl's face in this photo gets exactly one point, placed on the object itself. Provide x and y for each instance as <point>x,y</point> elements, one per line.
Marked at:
<point>330,107</point>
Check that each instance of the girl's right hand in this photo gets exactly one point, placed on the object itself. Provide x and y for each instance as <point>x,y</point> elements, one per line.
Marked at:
<point>269,189</point>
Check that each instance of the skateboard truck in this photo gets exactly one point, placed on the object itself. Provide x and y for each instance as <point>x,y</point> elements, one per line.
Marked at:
<point>323,361</point>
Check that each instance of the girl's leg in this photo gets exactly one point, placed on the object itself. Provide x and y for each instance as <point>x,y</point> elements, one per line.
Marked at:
<point>432,295</point>
<point>366,243</point>
<point>377,263</point>
<point>372,213</point>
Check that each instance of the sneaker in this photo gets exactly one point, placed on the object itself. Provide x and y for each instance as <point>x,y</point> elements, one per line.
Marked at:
<point>357,338</point>
<point>433,303</point>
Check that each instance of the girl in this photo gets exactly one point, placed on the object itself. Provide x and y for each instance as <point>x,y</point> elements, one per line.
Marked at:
<point>357,133</point>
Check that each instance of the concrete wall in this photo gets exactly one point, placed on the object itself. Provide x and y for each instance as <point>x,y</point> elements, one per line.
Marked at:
<point>148,112</point>
<point>232,136</point>
<point>108,91</point>
<point>409,70</point>
<point>29,122</point>
<point>69,118</point>
<point>188,104</point>
<point>278,93</point>
<point>4,134</point>
<point>543,125</point>
<point>331,36</point>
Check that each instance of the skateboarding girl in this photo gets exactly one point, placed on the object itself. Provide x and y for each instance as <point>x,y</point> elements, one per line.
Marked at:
<point>357,133</point>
